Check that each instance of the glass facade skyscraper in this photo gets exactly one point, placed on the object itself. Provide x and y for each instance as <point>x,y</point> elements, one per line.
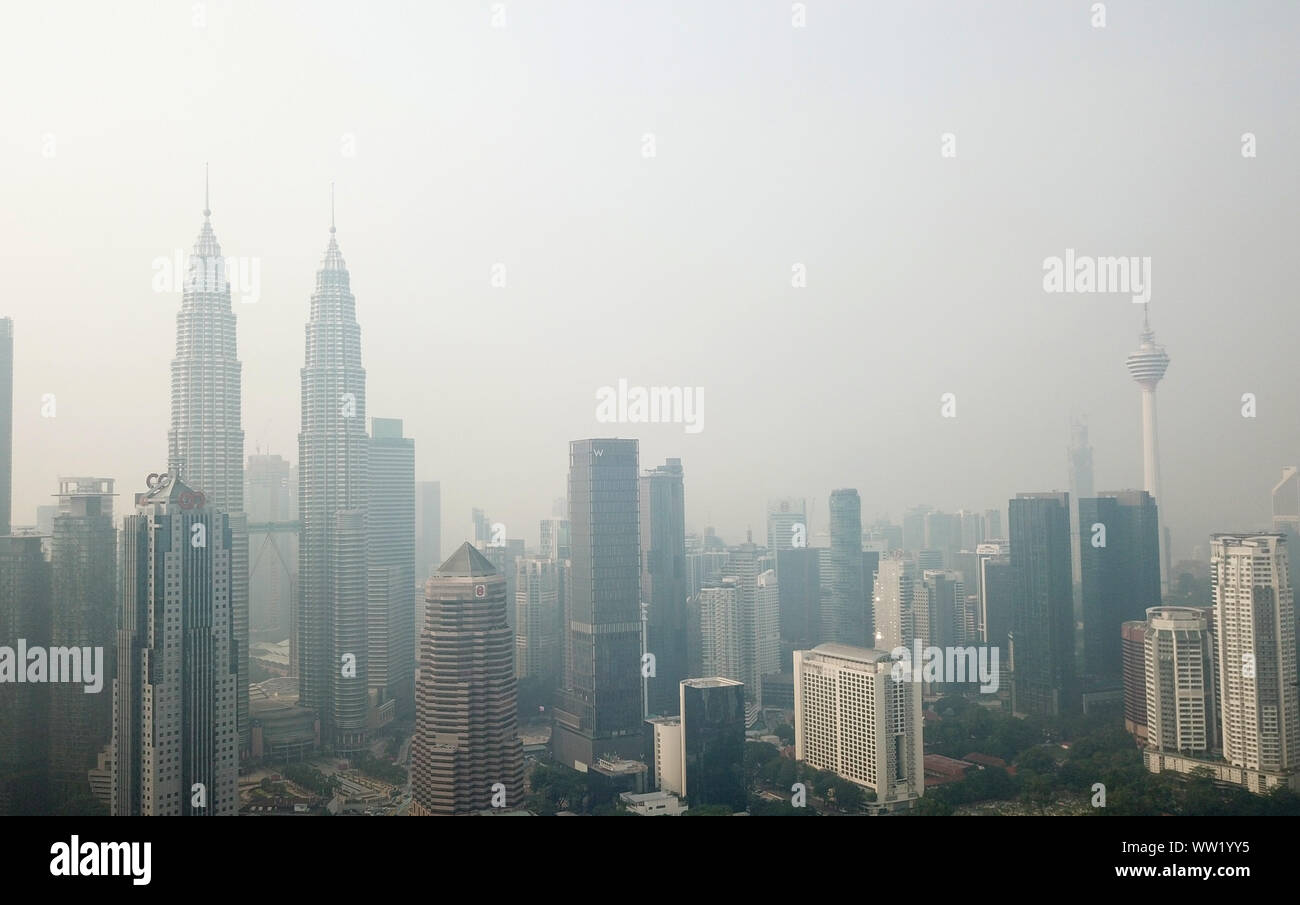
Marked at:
<point>599,712</point>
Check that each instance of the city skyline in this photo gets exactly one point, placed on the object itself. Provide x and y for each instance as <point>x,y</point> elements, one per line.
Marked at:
<point>408,188</point>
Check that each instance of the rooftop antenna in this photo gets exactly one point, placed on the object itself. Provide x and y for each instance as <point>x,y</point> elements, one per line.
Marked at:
<point>331,207</point>
<point>207,212</point>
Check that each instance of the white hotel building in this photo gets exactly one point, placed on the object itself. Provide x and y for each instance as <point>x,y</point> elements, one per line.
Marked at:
<point>853,719</point>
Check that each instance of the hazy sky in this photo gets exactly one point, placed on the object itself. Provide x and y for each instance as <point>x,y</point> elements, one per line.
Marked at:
<point>774,145</point>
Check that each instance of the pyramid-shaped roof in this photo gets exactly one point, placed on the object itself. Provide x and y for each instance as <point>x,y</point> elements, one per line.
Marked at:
<point>466,562</point>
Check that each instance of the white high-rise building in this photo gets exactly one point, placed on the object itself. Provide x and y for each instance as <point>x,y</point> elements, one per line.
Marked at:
<point>893,594</point>
<point>333,486</point>
<point>787,521</point>
<point>1147,366</point>
<point>205,445</point>
<point>852,718</point>
<point>1179,653</point>
<point>1254,623</point>
<point>720,628</point>
<point>539,618</point>
<point>667,743</point>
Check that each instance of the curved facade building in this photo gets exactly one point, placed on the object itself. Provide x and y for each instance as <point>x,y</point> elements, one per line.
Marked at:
<point>466,748</point>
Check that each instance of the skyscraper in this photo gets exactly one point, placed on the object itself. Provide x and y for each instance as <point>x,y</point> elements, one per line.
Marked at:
<point>844,618</point>
<point>466,740</point>
<point>664,587</point>
<point>800,595</point>
<point>1120,568</point>
<point>787,524</point>
<point>1133,640</point>
<point>390,511</point>
<point>893,592</point>
<point>852,718</point>
<point>1078,458</point>
<point>333,480</point>
<point>1147,366</point>
<point>1286,519</point>
<point>1254,625</point>
<point>713,742</point>
<point>205,446</point>
<point>174,731</point>
<point>24,706</point>
<point>269,500</point>
<point>600,713</point>
<point>1042,618</point>
<point>555,539</point>
<point>84,569</point>
<point>1179,661</point>
<point>539,619</point>
<point>428,529</point>
<point>721,635</point>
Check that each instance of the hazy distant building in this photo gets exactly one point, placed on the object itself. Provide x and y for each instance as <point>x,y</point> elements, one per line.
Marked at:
<point>174,731</point>
<point>1286,519</point>
<point>844,616</point>
<point>941,596</point>
<point>1078,460</point>
<point>664,585</point>
<point>996,592</point>
<point>24,707</point>
<point>1120,569</point>
<point>713,742</point>
<point>993,523</point>
<point>1179,663</point>
<point>333,486</point>
<point>1042,618</point>
<point>853,719</point>
<point>428,531</point>
<point>390,628</point>
<point>206,440</point>
<point>758,620</point>
<point>481,529</point>
<point>800,595</point>
<point>503,557</point>
<point>943,532</point>
<point>84,615</point>
<point>722,640</point>
<point>539,619</point>
<point>600,713</point>
<point>787,524</point>
<point>1255,633</point>
<point>914,528</point>
<point>893,595</point>
<point>555,539</point>
<point>466,739</point>
<point>269,490</point>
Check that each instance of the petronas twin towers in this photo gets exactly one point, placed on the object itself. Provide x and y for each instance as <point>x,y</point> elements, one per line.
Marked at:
<point>206,449</point>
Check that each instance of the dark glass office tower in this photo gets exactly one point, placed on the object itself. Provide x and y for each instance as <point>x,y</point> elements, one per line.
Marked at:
<point>663,582</point>
<point>844,619</point>
<point>713,742</point>
<point>84,565</point>
<point>24,706</point>
<point>600,710</point>
<point>390,629</point>
<point>1120,580</point>
<point>1042,618</point>
<point>800,590</point>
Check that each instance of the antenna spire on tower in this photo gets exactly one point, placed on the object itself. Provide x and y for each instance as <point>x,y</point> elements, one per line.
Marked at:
<point>206,210</point>
<point>331,207</point>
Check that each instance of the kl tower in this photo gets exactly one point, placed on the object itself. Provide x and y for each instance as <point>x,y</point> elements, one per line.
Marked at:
<point>1147,365</point>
